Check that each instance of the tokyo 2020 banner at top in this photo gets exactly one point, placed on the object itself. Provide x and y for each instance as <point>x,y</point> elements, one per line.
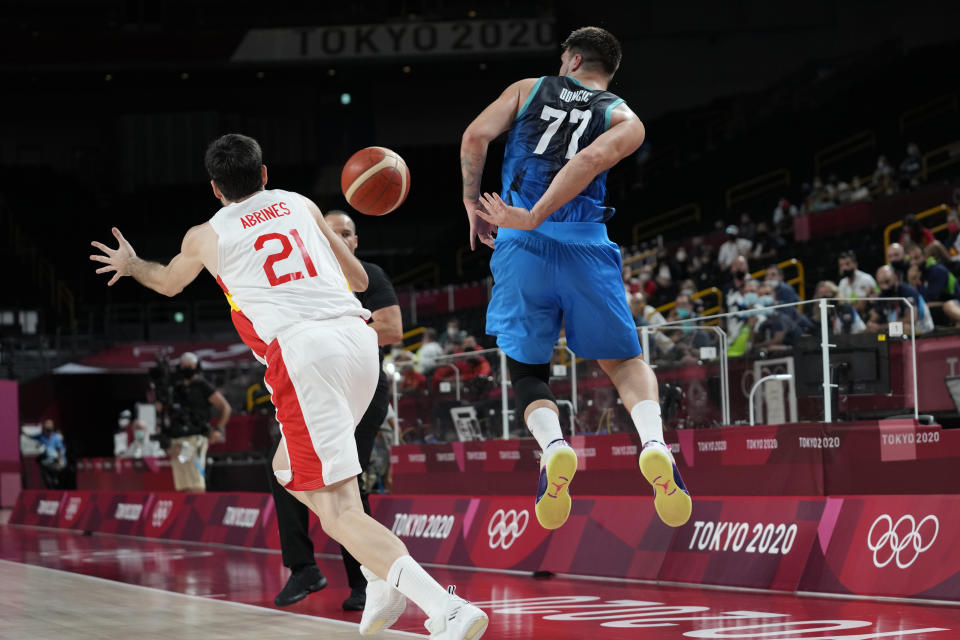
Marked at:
<point>409,39</point>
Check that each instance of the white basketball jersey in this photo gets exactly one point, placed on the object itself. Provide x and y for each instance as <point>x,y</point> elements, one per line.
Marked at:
<point>277,267</point>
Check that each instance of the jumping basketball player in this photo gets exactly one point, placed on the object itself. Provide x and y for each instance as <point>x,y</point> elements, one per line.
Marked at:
<point>553,262</point>
<point>288,279</point>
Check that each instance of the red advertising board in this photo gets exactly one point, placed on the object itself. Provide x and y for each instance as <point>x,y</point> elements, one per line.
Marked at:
<point>888,545</point>
<point>865,545</point>
<point>745,542</point>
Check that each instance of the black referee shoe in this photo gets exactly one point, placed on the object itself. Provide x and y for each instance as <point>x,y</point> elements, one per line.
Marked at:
<point>357,600</point>
<point>301,583</point>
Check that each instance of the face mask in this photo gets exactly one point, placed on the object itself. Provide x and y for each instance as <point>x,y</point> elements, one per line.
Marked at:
<point>901,265</point>
<point>766,301</point>
<point>773,284</point>
<point>739,275</point>
<point>395,351</point>
<point>749,299</point>
<point>848,273</point>
<point>139,435</point>
<point>681,255</point>
<point>452,332</point>
<point>687,292</point>
<point>187,372</point>
<point>888,293</point>
<point>123,422</point>
<point>683,313</point>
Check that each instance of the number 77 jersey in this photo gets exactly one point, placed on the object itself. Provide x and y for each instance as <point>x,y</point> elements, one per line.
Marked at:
<point>560,117</point>
<point>277,268</point>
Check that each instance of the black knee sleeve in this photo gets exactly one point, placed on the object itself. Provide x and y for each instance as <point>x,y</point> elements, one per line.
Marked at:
<point>529,384</point>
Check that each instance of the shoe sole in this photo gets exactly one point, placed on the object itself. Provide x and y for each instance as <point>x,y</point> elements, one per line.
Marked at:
<point>673,505</point>
<point>389,617</point>
<point>476,628</point>
<point>553,509</point>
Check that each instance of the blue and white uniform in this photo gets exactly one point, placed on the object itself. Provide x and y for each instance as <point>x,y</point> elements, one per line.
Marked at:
<point>566,272</point>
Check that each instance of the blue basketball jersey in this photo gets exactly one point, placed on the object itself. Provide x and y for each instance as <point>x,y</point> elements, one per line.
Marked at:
<point>560,117</point>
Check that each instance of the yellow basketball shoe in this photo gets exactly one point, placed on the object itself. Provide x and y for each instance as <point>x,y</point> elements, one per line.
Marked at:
<point>557,468</point>
<point>670,496</point>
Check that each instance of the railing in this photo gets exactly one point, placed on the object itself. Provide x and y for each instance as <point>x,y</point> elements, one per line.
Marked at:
<point>754,187</point>
<point>798,282</point>
<point>701,384</point>
<point>893,226</point>
<point>833,153</point>
<point>704,293</point>
<point>941,158</point>
<point>928,110</point>
<point>641,257</point>
<point>678,217</point>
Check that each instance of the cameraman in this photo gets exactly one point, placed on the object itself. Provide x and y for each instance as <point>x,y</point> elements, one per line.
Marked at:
<point>188,424</point>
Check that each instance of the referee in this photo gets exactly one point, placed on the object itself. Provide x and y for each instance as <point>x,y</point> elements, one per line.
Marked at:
<point>295,543</point>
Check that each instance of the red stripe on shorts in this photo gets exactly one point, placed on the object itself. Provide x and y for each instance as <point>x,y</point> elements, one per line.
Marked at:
<point>306,466</point>
<point>243,325</point>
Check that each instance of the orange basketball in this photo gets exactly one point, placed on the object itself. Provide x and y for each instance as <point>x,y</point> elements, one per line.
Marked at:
<point>375,181</point>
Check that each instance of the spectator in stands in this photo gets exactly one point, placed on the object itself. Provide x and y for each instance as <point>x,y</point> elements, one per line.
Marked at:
<point>842,316</point>
<point>53,458</point>
<point>428,352</point>
<point>778,330</point>
<point>739,275</point>
<point>911,168</point>
<point>394,356</point>
<point>644,315</point>
<point>897,259</point>
<point>686,340</point>
<point>474,367</point>
<point>939,253</point>
<point>896,310</point>
<point>453,336</point>
<point>858,191</point>
<point>747,229</point>
<point>704,270</point>
<point>765,244</point>
<point>854,285</point>
<point>783,293</point>
<point>821,196</point>
<point>733,246</point>
<point>666,288</point>
<point>883,183</point>
<point>742,298</point>
<point>935,283</point>
<point>411,380</point>
<point>914,232</point>
<point>952,242</point>
<point>783,215</point>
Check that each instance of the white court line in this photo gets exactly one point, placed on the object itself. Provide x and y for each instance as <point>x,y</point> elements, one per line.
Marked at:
<point>242,605</point>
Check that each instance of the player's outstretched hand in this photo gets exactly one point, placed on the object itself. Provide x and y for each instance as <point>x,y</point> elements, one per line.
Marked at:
<point>502,214</point>
<point>114,259</point>
<point>479,228</point>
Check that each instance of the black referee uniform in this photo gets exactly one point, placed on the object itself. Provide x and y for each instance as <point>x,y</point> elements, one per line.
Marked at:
<point>292,515</point>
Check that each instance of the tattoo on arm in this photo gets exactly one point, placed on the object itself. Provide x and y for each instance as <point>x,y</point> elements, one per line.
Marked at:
<point>471,166</point>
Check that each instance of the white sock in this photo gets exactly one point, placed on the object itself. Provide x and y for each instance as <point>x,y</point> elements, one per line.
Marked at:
<point>646,418</point>
<point>544,424</point>
<point>369,575</point>
<point>409,578</point>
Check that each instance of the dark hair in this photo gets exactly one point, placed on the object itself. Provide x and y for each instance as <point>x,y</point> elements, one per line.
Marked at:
<point>233,162</point>
<point>431,333</point>
<point>847,254</point>
<point>595,45</point>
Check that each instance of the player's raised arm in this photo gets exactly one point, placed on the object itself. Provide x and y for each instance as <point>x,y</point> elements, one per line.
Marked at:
<point>351,267</point>
<point>167,279</point>
<point>497,118</point>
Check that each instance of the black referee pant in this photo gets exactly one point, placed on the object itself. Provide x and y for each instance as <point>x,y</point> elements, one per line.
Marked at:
<point>292,515</point>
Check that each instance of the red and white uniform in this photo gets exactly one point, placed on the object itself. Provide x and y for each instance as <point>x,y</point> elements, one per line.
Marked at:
<point>291,305</point>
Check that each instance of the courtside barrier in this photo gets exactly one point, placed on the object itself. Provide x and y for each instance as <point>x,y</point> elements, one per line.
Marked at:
<point>865,545</point>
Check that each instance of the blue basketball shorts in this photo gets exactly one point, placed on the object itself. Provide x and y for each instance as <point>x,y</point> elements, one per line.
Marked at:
<point>562,274</point>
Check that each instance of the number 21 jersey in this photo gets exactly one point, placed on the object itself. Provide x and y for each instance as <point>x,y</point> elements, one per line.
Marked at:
<point>277,268</point>
<point>560,117</point>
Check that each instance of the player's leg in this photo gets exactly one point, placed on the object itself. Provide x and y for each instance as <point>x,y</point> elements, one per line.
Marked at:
<point>524,313</point>
<point>296,548</point>
<point>388,566</point>
<point>365,434</point>
<point>637,385</point>
<point>600,326</point>
<point>558,463</point>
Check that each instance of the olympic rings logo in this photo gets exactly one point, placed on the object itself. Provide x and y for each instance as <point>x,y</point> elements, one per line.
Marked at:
<point>893,541</point>
<point>506,526</point>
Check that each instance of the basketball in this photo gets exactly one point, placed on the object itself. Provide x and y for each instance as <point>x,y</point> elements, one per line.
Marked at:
<point>375,181</point>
